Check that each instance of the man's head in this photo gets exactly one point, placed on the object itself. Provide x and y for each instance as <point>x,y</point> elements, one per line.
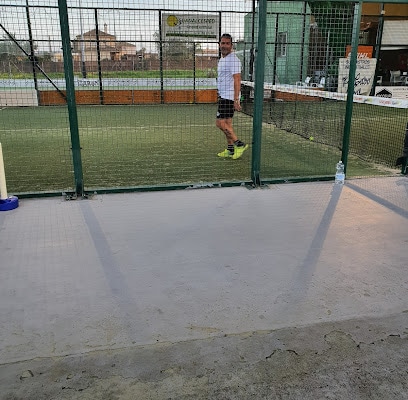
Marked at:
<point>226,44</point>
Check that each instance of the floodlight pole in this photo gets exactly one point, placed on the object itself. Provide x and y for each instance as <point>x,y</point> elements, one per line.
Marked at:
<point>351,79</point>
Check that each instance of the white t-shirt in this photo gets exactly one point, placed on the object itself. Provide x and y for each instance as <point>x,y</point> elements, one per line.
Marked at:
<point>227,67</point>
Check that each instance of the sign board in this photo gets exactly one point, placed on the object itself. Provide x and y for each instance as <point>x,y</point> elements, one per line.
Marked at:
<point>392,92</point>
<point>197,26</point>
<point>365,72</point>
<point>362,51</point>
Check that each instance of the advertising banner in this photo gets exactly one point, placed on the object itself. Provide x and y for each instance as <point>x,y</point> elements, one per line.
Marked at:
<point>392,92</point>
<point>197,26</point>
<point>365,72</point>
<point>362,51</point>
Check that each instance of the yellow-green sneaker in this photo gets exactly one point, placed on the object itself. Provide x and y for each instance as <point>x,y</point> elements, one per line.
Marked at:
<point>238,151</point>
<point>226,153</point>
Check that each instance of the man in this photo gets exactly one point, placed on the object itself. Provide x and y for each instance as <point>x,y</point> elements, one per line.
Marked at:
<point>403,160</point>
<point>229,87</point>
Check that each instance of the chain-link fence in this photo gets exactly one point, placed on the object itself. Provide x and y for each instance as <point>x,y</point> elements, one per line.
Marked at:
<point>122,95</point>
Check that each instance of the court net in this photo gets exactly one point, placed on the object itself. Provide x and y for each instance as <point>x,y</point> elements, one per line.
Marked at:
<point>377,126</point>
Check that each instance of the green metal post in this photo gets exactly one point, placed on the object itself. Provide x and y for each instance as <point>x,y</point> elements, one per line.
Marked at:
<point>194,73</point>
<point>351,79</point>
<point>98,52</point>
<point>252,51</point>
<point>378,41</point>
<point>161,58</point>
<point>32,54</point>
<point>259,94</point>
<point>70,87</point>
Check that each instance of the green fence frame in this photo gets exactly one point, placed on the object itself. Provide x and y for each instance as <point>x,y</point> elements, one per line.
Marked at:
<point>256,178</point>
<point>71,102</point>
<point>258,96</point>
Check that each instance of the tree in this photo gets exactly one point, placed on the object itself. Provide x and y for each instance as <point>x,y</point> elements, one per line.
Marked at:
<point>176,50</point>
<point>9,50</point>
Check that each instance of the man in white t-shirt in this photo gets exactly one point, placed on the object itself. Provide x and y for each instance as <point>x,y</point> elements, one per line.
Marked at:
<point>229,88</point>
<point>404,159</point>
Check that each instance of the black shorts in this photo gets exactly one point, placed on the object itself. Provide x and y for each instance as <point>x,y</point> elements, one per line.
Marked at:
<point>225,108</point>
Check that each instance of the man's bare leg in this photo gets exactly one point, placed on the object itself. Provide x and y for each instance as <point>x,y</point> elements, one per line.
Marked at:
<point>225,125</point>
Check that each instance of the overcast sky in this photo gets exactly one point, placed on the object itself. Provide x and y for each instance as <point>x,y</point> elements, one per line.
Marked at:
<point>218,5</point>
<point>135,21</point>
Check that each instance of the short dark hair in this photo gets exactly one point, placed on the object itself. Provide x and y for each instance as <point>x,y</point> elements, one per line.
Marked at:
<point>226,35</point>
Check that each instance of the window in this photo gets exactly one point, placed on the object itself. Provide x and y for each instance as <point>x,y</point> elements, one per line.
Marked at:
<point>282,41</point>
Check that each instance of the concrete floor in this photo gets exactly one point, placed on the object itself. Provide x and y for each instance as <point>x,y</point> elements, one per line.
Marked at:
<point>293,291</point>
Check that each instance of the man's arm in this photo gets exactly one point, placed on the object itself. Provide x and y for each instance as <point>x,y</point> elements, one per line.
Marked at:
<point>237,89</point>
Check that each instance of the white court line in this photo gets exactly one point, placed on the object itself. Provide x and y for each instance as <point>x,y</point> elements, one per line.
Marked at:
<point>105,128</point>
<point>108,128</point>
